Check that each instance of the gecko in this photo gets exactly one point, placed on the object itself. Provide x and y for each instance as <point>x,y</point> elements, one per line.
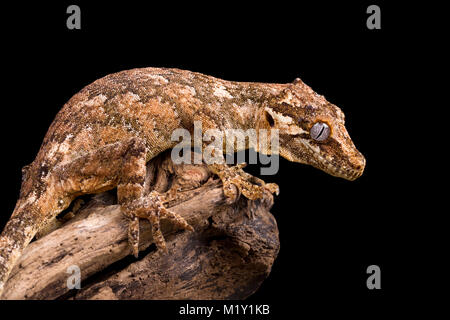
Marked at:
<point>105,134</point>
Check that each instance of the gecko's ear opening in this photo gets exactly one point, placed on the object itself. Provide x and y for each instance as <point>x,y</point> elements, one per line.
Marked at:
<point>269,119</point>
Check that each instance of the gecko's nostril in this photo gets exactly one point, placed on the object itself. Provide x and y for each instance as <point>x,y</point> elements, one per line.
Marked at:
<point>361,164</point>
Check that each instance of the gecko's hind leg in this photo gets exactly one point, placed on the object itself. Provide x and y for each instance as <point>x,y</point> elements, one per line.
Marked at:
<point>251,187</point>
<point>136,204</point>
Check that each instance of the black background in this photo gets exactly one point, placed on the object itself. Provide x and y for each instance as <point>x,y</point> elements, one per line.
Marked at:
<point>331,230</point>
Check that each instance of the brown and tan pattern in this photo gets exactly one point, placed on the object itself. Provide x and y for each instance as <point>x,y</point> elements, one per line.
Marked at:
<point>104,135</point>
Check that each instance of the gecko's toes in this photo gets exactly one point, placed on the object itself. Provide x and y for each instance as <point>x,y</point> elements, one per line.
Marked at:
<point>236,182</point>
<point>159,212</point>
<point>272,188</point>
<point>133,235</point>
<point>174,218</point>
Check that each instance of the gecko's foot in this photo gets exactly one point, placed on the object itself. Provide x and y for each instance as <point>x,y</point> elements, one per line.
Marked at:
<point>151,208</point>
<point>236,181</point>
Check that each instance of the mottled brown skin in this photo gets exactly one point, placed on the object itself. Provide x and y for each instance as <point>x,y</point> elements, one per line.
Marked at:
<point>105,134</point>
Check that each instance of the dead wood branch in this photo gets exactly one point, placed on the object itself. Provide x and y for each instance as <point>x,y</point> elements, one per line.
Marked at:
<point>227,257</point>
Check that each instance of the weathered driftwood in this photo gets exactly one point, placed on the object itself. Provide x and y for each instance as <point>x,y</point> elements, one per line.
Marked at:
<point>227,257</point>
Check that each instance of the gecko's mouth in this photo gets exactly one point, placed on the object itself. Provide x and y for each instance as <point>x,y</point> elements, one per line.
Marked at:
<point>350,169</point>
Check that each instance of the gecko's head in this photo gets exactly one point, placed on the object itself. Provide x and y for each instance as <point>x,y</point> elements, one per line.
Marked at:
<point>312,131</point>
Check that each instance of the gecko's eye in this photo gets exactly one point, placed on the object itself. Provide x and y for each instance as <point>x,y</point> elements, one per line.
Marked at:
<point>320,131</point>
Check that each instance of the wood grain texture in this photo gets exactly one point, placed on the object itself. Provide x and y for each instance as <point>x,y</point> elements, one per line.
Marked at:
<point>227,257</point>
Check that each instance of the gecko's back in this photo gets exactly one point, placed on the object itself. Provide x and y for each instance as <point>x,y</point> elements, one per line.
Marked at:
<point>134,103</point>
<point>148,103</point>
<point>99,129</point>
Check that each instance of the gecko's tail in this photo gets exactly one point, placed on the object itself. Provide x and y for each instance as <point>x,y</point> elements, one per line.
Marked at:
<point>18,233</point>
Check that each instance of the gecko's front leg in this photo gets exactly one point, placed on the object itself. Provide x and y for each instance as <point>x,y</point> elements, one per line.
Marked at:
<point>236,179</point>
<point>135,203</point>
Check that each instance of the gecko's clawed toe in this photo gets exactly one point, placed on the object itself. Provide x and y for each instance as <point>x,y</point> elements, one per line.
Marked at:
<point>236,182</point>
<point>272,188</point>
<point>133,235</point>
<point>152,209</point>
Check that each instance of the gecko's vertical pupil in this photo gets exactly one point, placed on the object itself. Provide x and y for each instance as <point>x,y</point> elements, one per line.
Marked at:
<point>320,131</point>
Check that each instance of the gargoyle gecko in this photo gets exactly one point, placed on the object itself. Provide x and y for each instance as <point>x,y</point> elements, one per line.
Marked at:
<point>104,135</point>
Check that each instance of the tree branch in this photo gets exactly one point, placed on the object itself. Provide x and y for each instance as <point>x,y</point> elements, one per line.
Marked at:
<point>227,257</point>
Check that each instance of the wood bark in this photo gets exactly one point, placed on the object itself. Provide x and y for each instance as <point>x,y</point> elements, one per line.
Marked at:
<point>229,254</point>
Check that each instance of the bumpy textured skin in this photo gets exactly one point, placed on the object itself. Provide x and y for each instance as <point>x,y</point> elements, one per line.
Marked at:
<point>105,134</point>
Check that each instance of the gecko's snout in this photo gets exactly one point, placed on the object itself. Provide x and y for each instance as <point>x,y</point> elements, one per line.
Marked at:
<point>356,166</point>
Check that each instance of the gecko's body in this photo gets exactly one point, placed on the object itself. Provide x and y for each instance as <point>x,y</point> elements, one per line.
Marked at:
<point>105,134</point>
